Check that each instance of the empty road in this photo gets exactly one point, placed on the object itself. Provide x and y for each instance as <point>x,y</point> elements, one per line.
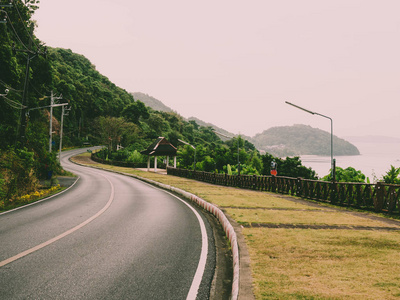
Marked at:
<point>108,237</point>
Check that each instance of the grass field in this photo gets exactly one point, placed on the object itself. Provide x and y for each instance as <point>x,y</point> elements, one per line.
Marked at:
<point>354,257</point>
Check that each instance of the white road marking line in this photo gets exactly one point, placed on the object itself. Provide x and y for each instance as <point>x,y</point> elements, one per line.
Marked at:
<point>203,257</point>
<point>198,276</point>
<point>42,245</point>
<point>44,199</point>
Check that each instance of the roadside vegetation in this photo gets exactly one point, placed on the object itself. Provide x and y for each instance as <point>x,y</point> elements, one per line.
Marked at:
<point>100,113</point>
<point>332,254</point>
<point>17,201</point>
<point>287,263</point>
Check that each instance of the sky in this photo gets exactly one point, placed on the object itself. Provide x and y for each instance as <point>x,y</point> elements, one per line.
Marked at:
<point>235,63</point>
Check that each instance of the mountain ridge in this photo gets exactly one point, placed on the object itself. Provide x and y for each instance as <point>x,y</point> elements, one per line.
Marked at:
<point>151,102</point>
<point>279,141</point>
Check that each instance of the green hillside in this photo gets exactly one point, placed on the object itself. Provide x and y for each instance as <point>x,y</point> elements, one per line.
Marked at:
<point>278,141</point>
<point>99,113</point>
<point>301,140</point>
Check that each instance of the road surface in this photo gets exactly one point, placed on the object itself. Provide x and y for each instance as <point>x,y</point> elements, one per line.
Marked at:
<point>108,237</point>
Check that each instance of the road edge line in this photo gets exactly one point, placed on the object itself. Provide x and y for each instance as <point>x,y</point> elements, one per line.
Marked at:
<point>41,200</point>
<point>217,212</point>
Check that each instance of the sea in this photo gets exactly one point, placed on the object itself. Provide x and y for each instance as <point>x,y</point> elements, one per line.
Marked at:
<point>374,161</point>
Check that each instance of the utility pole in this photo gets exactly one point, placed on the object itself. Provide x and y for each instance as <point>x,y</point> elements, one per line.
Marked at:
<point>30,54</point>
<point>51,120</point>
<point>63,113</point>
<point>52,98</point>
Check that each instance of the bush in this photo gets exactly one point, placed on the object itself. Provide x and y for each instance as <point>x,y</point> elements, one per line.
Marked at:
<point>17,174</point>
<point>346,175</point>
<point>392,176</point>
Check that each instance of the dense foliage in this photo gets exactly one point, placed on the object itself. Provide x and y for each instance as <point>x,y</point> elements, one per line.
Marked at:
<point>290,167</point>
<point>392,176</point>
<point>346,175</point>
<point>100,113</point>
<point>24,78</point>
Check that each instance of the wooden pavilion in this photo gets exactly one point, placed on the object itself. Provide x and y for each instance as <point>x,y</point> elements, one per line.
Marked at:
<point>160,147</point>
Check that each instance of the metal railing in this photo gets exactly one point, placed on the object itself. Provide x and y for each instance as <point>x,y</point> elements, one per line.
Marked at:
<point>379,197</point>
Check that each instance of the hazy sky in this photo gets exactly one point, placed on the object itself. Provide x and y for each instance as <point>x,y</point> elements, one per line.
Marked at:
<point>235,63</point>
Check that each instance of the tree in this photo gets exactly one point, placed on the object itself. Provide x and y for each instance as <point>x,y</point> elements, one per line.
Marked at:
<point>186,156</point>
<point>346,175</point>
<point>110,130</point>
<point>158,124</point>
<point>208,164</point>
<point>134,111</point>
<point>256,161</point>
<point>290,167</point>
<point>392,176</point>
<point>17,175</point>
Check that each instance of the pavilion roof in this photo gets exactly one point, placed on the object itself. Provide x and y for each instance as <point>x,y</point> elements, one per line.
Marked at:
<point>160,147</point>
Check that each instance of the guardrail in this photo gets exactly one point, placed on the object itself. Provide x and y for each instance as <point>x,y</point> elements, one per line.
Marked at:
<point>379,197</point>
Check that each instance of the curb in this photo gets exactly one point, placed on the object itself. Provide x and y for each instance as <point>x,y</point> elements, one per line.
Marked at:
<point>218,213</point>
<point>227,226</point>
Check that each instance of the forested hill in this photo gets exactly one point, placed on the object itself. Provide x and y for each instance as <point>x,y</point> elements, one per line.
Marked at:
<point>301,140</point>
<point>222,133</point>
<point>99,113</point>
<point>89,93</point>
<point>151,102</point>
<point>278,141</point>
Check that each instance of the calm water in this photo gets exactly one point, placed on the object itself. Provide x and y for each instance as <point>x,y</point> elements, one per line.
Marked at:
<point>374,161</point>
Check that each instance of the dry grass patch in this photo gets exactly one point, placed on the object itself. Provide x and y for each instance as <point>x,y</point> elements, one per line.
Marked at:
<point>304,263</point>
<point>326,217</point>
<point>324,264</point>
<point>219,195</point>
<point>234,197</point>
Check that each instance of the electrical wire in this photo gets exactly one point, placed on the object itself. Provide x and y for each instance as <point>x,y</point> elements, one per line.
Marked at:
<point>9,87</point>
<point>14,104</point>
<point>14,31</point>
<point>23,23</point>
<point>39,93</point>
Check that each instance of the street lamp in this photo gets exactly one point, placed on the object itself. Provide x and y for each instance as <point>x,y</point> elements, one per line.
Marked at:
<point>315,113</point>
<point>186,143</point>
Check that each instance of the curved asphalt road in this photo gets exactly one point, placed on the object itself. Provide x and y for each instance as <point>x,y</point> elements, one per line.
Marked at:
<point>107,237</point>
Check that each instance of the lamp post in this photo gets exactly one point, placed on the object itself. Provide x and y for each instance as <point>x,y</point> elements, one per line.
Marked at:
<point>315,113</point>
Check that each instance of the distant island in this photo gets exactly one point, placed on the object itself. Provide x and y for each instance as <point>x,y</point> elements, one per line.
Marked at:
<point>301,140</point>
<point>279,141</point>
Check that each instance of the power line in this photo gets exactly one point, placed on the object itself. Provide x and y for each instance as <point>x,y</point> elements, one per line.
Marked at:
<point>14,31</point>
<point>23,23</point>
<point>39,93</point>
<point>10,102</point>
<point>9,87</point>
<point>13,103</point>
